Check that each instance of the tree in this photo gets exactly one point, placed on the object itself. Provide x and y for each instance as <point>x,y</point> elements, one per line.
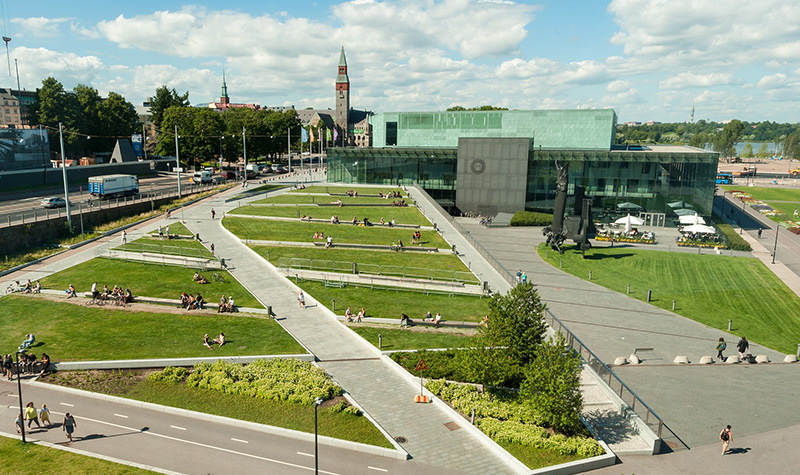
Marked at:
<point>199,130</point>
<point>762,152</point>
<point>747,150</point>
<point>699,140</point>
<point>791,146</point>
<point>116,118</point>
<point>724,141</point>
<point>163,100</point>
<point>552,385</point>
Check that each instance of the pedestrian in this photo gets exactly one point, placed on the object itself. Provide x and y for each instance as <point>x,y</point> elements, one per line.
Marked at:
<point>524,277</point>
<point>743,346</point>
<point>213,213</point>
<point>69,425</point>
<point>519,276</point>
<point>124,237</point>
<point>31,415</point>
<point>212,249</point>
<point>301,299</point>
<point>166,231</point>
<point>44,415</point>
<point>726,436</point>
<point>759,233</point>
<point>169,213</point>
<point>18,423</point>
<point>160,233</point>
<point>720,348</point>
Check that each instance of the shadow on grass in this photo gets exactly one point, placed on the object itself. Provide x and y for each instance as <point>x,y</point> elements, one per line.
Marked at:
<point>600,255</point>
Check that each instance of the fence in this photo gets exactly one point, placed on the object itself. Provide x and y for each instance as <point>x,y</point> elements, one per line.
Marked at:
<point>377,269</point>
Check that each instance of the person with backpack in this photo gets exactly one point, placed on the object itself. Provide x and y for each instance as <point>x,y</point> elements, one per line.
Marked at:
<point>726,436</point>
<point>720,348</point>
<point>743,346</point>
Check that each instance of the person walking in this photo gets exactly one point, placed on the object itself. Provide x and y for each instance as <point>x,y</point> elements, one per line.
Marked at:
<point>212,249</point>
<point>160,233</point>
<point>721,346</point>
<point>301,299</point>
<point>44,415</point>
<point>743,346</point>
<point>69,425</point>
<point>31,415</point>
<point>18,424</point>
<point>213,213</point>
<point>726,436</point>
<point>124,237</point>
<point>759,232</point>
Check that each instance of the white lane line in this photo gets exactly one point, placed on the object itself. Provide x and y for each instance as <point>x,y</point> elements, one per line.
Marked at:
<point>200,444</point>
<point>121,415</point>
<point>240,440</point>
<point>65,404</point>
<point>11,395</point>
<point>303,453</point>
<point>378,469</point>
<point>179,428</point>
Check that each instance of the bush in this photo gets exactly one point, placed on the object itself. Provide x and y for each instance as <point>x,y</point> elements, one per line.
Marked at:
<point>531,218</point>
<point>495,402</point>
<point>276,379</point>
<point>446,364</point>
<point>170,375</point>
<point>735,241</point>
<point>537,437</point>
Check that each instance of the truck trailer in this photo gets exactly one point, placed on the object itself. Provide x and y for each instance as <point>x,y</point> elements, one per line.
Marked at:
<point>112,186</point>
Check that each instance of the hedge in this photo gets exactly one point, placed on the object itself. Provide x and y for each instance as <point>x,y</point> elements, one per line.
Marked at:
<point>735,242</point>
<point>531,218</point>
<point>537,437</point>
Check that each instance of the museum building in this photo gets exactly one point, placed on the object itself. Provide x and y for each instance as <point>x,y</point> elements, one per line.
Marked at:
<point>504,161</point>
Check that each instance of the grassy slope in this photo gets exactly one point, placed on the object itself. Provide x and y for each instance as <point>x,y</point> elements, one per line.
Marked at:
<point>151,280</point>
<point>373,213</point>
<point>397,339</point>
<point>69,332</point>
<point>175,228</point>
<point>173,247</point>
<point>260,229</point>
<point>708,288</point>
<point>765,193</point>
<point>391,303</point>
<point>373,190</point>
<point>328,199</point>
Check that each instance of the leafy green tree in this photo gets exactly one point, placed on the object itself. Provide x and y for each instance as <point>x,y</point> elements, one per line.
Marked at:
<point>747,150</point>
<point>724,141</point>
<point>552,385</point>
<point>762,151</point>
<point>791,146</point>
<point>699,140</point>
<point>163,100</point>
<point>198,134</point>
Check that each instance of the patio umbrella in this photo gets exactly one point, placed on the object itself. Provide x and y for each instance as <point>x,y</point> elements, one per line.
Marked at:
<point>628,205</point>
<point>684,212</point>
<point>679,204</point>
<point>630,220</point>
<point>700,229</point>
<point>693,219</point>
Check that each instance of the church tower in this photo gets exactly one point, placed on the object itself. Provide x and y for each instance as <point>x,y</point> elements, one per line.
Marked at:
<point>342,100</point>
<point>224,99</point>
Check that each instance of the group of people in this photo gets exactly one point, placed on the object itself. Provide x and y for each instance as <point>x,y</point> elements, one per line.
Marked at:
<point>431,318</point>
<point>416,237</point>
<point>353,193</point>
<point>33,417</point>
<point>350,317</point>
<point>399,203</point>
<point>117,293</point>
<point>522,277</point>
<point>228,305</point>
<point>742,347</point>
<point>27,364</point>
<point>391,223</point>
<point>162,232</point>
<point>192,302</point>
<point>319,235</point>
<point>219,341</point>
<point>199,278</point>
<point>30,288</point>
<point>391,194</point>
<point>335,219</point>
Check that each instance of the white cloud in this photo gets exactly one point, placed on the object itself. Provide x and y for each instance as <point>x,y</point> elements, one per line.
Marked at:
<point>68,68</point>
<point>772,81</point>
<point>683,80</point>
<point>38,26</point>
<point>618,86</point>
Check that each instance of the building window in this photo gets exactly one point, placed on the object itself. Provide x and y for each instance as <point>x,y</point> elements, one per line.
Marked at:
<point>391,133</point>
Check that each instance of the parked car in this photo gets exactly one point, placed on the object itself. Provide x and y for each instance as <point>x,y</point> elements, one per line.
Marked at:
<point>54,202</point>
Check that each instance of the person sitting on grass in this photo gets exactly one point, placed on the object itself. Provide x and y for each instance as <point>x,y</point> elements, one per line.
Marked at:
<point>28,287</point>
<point>429,316</point>
<point>71,291</point>
<point>190,302</point>
<point>45,362</point>
<point>198,302</point>
<point>207,343</point>
<point>437,319</point>
<point>404,320</point>
<point>30,339</point>
<point>361,314</point>
<point>220,340</point>
<point>222,304</point>
<point>355,221</point>
<point>196,277</point>
<point>127,297</point>
<point>231,305</point>
<point>348,315</point>
<point>202,280</point>
<point>37,287</point>
<point>184,300</point>
<point>485,321</point>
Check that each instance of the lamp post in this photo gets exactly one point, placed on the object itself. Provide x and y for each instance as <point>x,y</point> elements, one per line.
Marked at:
<point>244,150</point>
<point>178,161</point>
<point>64,172</point>
<point>775,248</point>
<point>741,222</point>
<point>317,402</point>
<point>220,151</point>
<point>19,391</point>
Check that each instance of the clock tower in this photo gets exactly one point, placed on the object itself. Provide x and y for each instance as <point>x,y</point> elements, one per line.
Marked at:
<point>342,100</point>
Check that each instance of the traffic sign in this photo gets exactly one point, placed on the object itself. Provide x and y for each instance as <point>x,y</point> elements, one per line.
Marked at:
<point>421,366</point>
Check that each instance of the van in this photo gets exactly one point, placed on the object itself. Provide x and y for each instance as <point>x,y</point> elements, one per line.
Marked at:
<point>202,177</point>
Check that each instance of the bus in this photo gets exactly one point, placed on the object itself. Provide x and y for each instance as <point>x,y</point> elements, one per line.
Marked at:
<point>724,178</point>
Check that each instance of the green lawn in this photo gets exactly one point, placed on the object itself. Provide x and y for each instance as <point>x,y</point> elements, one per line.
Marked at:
<point>371,190</point>
<point>292,198</point>
<point>766,193</point>
<point>708,288</point>
<point>177,247</point>
<point>390,303</point>
<point>151,280</point>
<point>535,458</point>
<point>175,228</point>
<point>69,332</point>
<point>436,265</point>
<point>786,208</point>
<point>18,458</point>
<point>412,339</point>
<point>406,215</point>
<point>274,413</point>
<point>253,228</point>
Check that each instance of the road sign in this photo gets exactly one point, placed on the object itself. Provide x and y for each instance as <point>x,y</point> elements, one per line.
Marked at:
<point>421,366</point>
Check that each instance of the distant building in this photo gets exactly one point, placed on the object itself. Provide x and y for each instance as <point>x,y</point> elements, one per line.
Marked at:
<point>225,101</point>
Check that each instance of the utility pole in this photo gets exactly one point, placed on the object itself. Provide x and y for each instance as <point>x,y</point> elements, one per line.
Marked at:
<point>64,172</point>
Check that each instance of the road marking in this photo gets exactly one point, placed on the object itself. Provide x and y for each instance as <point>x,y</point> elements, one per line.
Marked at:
<point>65,404</point>
<point>11,395</point>
<point>303,453</point>
<point>240,440</point>
<point>378,469</point>
<point>121,415</point>
<point>200,444</point>
<point>179,428</point>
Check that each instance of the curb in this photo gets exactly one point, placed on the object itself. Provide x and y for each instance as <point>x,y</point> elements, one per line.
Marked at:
<point>164,362</point>
<point>90,454</point>
<point>278,431</point>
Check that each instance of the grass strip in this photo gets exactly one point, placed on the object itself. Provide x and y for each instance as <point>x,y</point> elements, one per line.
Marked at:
<point>767,193</point>
<point>404,215</point>
<point>413,339</point>
<point>297,198</point>
<point>76,332</point>
<point>16,457</point>
<point>735,241</point>
<point>177,247</point>
<point>151,280</point>
<point>253,228</point>
<point>174,228</point>
<point>366,190</point>
<point>709,289</point>
<point>391,302</point>
<point>535,458</point>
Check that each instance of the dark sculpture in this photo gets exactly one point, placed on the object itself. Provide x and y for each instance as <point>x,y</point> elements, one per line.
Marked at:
<point>579,226</point>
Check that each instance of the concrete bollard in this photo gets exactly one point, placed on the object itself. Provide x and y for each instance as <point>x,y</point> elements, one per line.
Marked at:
<point>790,359</point>
<point>673,305</point>
<point>706,360</point>
<point>649,295</point>
<point>620,360</point>
<point>681,359</point>
<point>560,263</point>
<point>634,359</point>
<point>733,359</point>
<point>762,359</point>
<point>380,341</point>
<point>729,329</point>
<point>590,275</point>
<point>629,291</point>
<point>333,305</point>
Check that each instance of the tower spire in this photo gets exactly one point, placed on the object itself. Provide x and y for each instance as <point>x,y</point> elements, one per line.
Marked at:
<point>224,99</point>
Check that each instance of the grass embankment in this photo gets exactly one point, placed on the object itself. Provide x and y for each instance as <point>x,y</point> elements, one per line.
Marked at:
<point>150,280</point>
<point>534,458</point>
<point>253,228</point>
<point>16,457</point>
<point>765,193</point>
<point>298,198</point>
<point>413,339</point>
<point>365,190</point>
<point>75,332</point>
<point>401,215</point>
<point>176,247</point>
<point>709,289</point>
<point>735,241</point>
<point>391,302</point>
<point>176,228</point>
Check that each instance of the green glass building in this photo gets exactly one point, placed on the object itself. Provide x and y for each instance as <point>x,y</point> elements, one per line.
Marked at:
<point>504,161</point>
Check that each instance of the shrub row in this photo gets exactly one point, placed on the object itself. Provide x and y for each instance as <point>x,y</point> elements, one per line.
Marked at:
<point>170,375</point>
<point>537,437</point>
<point>735,242</point>
<point>276,379</point>
<point>495,403</point>
<point>451,365</point>
<point>531,218</point>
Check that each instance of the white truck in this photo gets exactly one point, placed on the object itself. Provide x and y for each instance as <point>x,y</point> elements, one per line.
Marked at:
<point>203,176</point>
<point>112,186</point>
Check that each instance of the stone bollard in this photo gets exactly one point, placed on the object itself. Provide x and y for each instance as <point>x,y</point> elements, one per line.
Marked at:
<point>681,359</point>
<point>620,360</point>
<point>706,360</point>
<point>733,359</point>
<point>790,359</point>
<point>762,359</point>
<point>634,359</point>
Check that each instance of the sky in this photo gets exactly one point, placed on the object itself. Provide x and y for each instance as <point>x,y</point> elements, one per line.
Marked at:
<point>646,59</point>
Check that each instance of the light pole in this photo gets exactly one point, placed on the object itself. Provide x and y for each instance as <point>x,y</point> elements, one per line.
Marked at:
<point>64,172</point>
<point>775,248</point>
<point>741,222</point>
<point>19,391</point>
<point>244,150</point>
<point>317,402</point>
<point>178,161</point>
<point>220,151</point>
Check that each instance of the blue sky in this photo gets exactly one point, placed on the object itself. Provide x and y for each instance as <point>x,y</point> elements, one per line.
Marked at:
<point>647,59</point>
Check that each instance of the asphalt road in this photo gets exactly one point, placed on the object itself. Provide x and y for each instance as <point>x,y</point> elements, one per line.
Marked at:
<point>186,444</point>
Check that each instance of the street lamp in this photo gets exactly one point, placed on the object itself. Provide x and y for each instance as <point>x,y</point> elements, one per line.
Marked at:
<point>220,151</point>
<point>775,249</point>
<point>317,402</point>
<point>244,149</point>
<point>64,172</point>
<point>19,391</point>
<point>178,161</point>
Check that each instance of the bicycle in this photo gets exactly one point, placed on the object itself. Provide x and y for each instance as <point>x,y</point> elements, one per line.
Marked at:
<point>216,277</point>
<point>98,302</point>
<point>15,287</point>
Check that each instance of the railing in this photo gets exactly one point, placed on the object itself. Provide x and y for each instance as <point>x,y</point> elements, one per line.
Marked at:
<point>628,396</point>
<point>377,269</point>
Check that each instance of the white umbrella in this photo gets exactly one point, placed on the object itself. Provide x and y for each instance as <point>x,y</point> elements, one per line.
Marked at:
<point>693,219</point>
<point>685,212</point>
<point>700,229</point>
<point>628,205</point>
<point>630,220</point>
<point>679,204</point>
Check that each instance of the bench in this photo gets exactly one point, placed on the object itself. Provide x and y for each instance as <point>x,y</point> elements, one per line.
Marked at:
<point>371,224</point>
<point>378,246</point>
<point>420,321</point>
